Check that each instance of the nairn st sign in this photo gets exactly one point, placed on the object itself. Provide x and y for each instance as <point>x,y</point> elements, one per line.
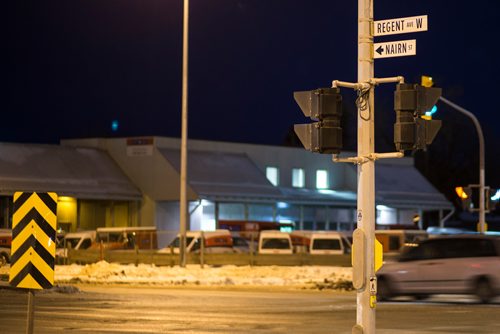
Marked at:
<point>395,49</point>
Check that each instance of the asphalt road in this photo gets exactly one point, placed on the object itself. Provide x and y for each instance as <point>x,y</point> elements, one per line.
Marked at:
<point>160,310</point>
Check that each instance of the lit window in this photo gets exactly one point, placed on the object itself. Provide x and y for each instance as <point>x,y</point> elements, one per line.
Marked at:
<point>272,174</point>
<point>298,177</point>
<point>321,179</point>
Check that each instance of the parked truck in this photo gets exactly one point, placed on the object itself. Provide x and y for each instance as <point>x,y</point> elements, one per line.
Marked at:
<point>320,242</point>
<point>275,242</point>
<point>125,238</point>
<point>218,241</point>
<point>75,240</point>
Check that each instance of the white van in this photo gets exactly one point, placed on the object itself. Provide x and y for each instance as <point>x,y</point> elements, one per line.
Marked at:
<point>275,242</point>
<point>218,241</point>
<point>75,240</point>
<point>320,242</point>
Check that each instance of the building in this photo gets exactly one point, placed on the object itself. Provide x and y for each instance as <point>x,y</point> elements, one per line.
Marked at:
<point>92,189</point>
<point>136,182</point>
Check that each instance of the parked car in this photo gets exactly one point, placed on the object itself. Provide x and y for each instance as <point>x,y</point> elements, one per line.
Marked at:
<point>275,242</point>
<point>75,240</point>
<point>218,241</point>
<point>459,264</point>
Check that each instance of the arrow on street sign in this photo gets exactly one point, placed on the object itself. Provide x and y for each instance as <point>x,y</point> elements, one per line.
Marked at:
<point>395,49</point>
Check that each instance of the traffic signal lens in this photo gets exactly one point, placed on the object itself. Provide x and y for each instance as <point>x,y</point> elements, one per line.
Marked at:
<point>461,192</point>
<point>496,196</point>
<point>432,111</point>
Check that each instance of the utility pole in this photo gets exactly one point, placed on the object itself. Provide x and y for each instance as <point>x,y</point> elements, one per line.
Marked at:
<point>183,194</point>
<point>365,309</point>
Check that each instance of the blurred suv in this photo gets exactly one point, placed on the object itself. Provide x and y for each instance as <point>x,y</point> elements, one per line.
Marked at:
<point>460,264</point>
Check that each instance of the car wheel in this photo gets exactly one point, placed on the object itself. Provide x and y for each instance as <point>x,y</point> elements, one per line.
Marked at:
<point>384,290</point>
<point>484,291</point>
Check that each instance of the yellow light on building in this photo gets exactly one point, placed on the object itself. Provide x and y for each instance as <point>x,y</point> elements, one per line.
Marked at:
<point>66,199</point>
<point>66,213</point>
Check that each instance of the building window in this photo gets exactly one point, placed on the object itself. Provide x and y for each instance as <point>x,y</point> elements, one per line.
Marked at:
<point>321,179</point>
<point>261,212</point>
<point>272,174</point>
<point>298,178</point>
<point>231,211</point>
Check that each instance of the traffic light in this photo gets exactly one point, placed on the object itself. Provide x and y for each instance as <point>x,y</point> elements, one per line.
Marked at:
<point>411,131</point>
<point>492,199</point>
<point>465,195</point>
<point>324,105</point>
<point>427,81</point>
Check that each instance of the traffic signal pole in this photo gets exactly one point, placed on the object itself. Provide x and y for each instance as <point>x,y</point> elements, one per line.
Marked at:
<point>365,309</point>
<point>411,132</point>
<point>482,228</point>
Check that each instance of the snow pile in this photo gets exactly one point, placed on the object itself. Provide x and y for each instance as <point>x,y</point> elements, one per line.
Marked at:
<point>307,277</point>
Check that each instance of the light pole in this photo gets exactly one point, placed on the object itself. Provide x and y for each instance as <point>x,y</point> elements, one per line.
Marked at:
<point>482,220</point>
<point>183,194</point>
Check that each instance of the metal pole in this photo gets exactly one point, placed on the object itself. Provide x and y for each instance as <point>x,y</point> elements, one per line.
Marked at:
<point>482,216</point>
<point>31,312</point>
<point>183,195</point>
<point>365,308</point>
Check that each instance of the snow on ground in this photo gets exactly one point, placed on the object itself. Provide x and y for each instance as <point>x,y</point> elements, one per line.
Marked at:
<point>306,277</point>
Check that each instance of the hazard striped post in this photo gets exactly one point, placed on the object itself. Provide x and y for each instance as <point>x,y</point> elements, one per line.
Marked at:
<point>33,240</point>
<point>33,245</point>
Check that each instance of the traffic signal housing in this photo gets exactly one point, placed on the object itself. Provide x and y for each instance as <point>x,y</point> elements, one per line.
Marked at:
<point>493,199</point>
<point>465,196</point>
<point>411,131</point>
<point>427,81</point>
<point>324,106</point>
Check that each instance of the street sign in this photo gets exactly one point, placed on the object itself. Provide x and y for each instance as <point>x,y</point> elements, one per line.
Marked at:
<point>401,25</point>
<point>33,240</point>
<point>395,49</point>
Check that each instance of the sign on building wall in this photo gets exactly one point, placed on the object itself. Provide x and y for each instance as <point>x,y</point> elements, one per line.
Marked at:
<point>33,240</point>
<point>139,147</point>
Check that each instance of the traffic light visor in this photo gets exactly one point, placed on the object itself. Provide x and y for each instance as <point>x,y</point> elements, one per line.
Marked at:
<point>426,81</point>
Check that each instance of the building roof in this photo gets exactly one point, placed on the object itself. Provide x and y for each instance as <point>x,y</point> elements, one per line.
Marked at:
<point>84,173</point>
<point>223,175</point>
<point>400,185</point>
<point>219,175</point>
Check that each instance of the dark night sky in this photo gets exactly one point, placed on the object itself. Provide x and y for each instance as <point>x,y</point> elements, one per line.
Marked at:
<point>71,67</point>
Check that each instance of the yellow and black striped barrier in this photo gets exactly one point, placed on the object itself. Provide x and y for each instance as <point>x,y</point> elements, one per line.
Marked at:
<point>33,240</point>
